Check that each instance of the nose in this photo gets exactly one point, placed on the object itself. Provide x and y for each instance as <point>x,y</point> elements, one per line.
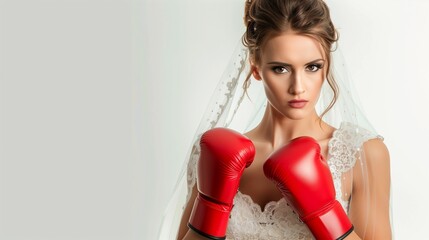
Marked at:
<point>297,86</point>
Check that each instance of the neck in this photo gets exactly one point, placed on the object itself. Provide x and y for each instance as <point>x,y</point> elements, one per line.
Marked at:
<point>277,130</point>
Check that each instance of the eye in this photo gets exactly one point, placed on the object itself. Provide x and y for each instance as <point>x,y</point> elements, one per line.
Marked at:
<point>315,67</point>
<point>280,69</point>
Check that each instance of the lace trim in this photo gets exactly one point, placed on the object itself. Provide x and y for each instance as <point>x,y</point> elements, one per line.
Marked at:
<point>276,221</point>
<point>192,168</point>
<point>345,146</point>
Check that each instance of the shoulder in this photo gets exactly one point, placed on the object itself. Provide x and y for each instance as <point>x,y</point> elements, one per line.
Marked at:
<point>375,148</point>
<point>377,155</point>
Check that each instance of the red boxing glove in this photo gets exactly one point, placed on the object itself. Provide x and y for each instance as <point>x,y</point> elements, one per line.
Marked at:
<point>224,156</point>
<point>304,178</point>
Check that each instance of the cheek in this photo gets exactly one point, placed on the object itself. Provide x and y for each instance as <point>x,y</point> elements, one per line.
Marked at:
<point>315,79</point>
<point>315,87</point>
<point>275,85</point>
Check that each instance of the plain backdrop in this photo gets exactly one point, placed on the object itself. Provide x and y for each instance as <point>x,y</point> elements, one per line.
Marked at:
<point>100,100</point>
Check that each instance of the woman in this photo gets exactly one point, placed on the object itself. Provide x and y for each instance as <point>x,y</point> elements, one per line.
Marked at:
<point>289,44</point>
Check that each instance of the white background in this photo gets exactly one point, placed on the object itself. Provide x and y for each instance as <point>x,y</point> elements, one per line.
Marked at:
<point>100,100</point>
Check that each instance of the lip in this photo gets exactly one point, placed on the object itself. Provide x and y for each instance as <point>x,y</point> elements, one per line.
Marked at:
<point>299,103</point>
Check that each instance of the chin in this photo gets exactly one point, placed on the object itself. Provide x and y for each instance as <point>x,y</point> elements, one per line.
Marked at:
<point>296,115</point>
<point>293,113</point>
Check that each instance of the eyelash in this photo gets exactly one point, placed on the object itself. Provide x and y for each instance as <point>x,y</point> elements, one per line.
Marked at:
<point>318,66</point>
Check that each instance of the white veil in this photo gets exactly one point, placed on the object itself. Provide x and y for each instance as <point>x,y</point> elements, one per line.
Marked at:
<point>231,107</point>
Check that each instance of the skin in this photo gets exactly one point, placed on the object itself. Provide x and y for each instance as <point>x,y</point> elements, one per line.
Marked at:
<point>293,66</point>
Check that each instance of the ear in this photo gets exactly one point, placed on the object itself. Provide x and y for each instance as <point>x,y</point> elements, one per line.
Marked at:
<point>255,72</point>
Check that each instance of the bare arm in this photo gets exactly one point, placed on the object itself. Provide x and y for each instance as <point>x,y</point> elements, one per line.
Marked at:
<point>377,224</point>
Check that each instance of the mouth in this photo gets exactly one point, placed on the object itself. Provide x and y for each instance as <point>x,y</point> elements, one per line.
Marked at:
<point>297,103</point>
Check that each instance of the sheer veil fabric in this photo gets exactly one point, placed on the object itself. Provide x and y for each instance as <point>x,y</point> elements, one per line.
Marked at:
<point>231,107</point>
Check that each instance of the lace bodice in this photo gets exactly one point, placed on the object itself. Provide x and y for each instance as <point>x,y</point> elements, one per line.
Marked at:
<point>277,220</point>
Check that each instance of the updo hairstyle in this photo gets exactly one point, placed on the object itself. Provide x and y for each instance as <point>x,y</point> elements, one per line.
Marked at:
<point>266,18</point>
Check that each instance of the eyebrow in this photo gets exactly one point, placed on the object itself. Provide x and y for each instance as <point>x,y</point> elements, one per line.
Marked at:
<point>288,64</point>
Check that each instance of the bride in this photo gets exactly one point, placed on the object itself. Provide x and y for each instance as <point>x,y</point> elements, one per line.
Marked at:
<point>311,166</point>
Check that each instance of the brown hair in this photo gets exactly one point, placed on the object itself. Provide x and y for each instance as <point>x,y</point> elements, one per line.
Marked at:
<point>263,18</point>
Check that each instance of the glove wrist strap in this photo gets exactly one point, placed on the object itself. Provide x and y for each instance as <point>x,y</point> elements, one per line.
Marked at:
<point>209,219</point>
<point>332,224</point>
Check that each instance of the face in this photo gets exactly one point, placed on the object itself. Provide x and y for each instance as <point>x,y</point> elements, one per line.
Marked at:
<point>292,70</point>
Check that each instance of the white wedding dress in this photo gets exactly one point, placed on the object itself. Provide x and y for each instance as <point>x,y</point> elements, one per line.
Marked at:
<point>277,221</point>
